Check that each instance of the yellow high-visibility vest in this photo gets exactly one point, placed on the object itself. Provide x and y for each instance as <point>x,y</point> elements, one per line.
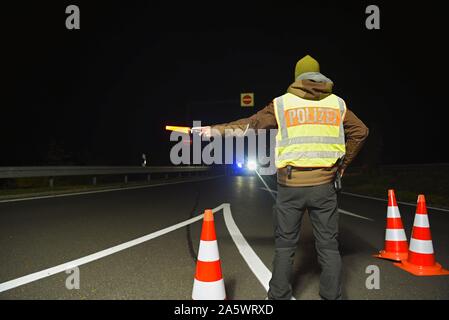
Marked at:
<point>310,133</point>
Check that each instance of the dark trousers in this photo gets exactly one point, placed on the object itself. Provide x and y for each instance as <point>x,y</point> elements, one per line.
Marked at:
<point>321,204</point>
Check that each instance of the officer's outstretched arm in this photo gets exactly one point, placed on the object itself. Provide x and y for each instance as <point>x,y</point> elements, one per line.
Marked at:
<point>264,119</point>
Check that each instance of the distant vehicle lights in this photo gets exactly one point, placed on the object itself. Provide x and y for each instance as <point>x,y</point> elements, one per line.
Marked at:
<point>252,165</point>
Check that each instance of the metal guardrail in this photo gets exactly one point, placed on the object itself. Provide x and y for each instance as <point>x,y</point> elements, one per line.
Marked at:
<point>60,171</point>
<point>65,171</point>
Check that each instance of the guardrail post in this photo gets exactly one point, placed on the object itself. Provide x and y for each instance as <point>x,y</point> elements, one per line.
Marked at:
<point>94,181</point>
<point>126,179</point>
<point>51,182</point>
<point>148,177</point>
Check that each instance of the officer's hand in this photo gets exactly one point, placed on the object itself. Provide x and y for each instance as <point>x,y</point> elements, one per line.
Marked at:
<point>203,131</point>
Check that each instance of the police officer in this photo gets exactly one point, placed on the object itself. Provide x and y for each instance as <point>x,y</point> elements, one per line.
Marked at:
<point>318,137</point>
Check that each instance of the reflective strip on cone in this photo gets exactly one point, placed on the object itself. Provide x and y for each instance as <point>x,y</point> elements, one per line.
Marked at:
<point>421,246</point>
<point>393,212</point>
<point>208,251</point>
<point>421,220</point>
<point>395,235</point>
<point>208,290</point>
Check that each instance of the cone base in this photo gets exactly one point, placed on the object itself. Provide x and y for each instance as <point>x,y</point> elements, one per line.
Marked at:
<point>214,290</point>
<point>435,270</point>
<point>395,256</point>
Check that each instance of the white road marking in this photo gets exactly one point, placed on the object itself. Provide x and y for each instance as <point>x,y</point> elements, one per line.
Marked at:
<point>252,259</point>
<point>269,190</point>
<point>266,186</point>
<point>385,200</point>
<point>107,190</point>
<point>262,273</point>
<point>95,256</point>
<point>340,210</point>
<point>354,215</point>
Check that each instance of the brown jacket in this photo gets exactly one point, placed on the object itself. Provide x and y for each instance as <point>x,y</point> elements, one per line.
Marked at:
<point>355,133</point>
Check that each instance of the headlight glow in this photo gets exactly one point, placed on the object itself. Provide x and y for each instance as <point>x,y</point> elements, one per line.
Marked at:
<point>252,165</point>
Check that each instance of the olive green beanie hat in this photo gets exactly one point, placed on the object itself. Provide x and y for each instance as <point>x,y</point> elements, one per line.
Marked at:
<point>306,64</point>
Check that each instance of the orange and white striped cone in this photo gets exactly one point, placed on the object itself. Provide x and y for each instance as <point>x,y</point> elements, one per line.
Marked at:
<point>208,283</point>
<point>421,257</point>
<point>396,247</point>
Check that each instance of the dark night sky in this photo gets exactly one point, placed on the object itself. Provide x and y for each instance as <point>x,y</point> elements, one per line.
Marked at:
<point>103,94</point>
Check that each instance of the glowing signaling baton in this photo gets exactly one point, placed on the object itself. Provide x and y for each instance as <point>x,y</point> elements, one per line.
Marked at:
<point>186,130</point>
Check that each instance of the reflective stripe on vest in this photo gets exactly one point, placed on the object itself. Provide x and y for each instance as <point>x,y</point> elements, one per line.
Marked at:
<point>311,133</point>
<point>311,155</point>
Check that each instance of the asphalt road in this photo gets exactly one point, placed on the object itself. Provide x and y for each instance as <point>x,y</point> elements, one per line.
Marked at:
<point>39,234</point>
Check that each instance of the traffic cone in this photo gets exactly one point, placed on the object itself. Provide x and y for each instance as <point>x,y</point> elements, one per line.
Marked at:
<point>421,258</point>
<point>396,247</point>
<point>208,283</point>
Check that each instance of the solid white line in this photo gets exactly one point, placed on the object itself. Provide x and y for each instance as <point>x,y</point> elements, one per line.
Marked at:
<point>95,256</point>
<point>354,215</point>
<point>251,258</point>
<point>385,200</point>
<point>341,210</point>
<point>266,186</point>
<point>269,190</point>
<point>106,190</point>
